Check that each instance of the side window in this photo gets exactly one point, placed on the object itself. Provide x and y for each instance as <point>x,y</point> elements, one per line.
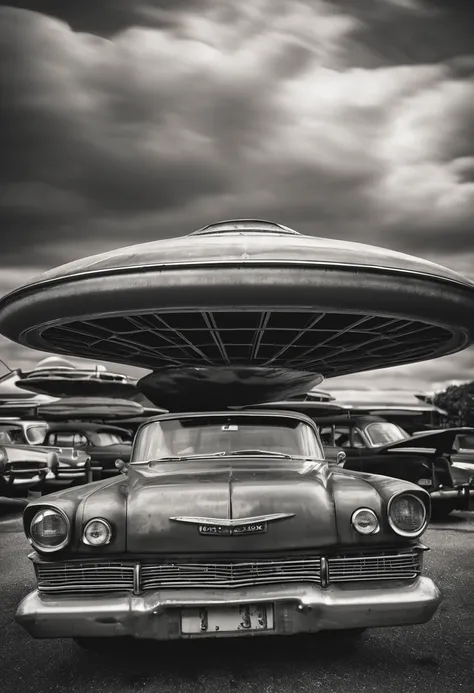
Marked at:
<point>342,437</point>
<point>357,440</point>
<point>79,440</point>
<point>65,440</point>
<point>325,433</point>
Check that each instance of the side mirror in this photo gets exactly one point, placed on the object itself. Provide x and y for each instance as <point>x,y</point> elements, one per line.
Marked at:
<point>341,457</point>
<point>121,466</point>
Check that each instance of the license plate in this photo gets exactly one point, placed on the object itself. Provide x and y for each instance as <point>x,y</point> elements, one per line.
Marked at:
<point>425,482</point>
<point>227,619</point>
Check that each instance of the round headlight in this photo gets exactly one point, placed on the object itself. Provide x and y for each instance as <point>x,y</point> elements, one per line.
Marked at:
<point>49,530</point>
<point>365,521</point>
<point>407,515</point>
<point>97,532</point>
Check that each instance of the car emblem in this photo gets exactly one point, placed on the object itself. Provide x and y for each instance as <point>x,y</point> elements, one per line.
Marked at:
<point>215,526</point>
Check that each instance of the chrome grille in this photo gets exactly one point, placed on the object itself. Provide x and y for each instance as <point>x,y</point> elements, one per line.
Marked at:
<point>84,577</point>
<point>20,467</point>
<point>230,574</point>
<point>70,577</point>
<point>381,567</point>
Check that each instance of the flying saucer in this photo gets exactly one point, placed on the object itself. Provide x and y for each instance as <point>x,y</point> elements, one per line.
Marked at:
<point>89,408</point>
<point>244,311</point>
<point>69,381</point>
<point>383,401</point>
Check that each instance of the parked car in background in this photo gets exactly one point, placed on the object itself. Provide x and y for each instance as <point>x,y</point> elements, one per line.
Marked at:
<point>24,442</point>
<point>227,524</point>
<point>381,447</point>
<point>103,443</point>
<point>25,468</point>
<point>463,451</point>
<point>372,444</point>
<point>462,454</point>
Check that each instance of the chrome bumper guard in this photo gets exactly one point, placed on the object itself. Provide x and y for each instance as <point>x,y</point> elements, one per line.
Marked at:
<point>297,608</point>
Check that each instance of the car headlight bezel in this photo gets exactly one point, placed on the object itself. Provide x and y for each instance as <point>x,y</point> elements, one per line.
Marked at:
<point>373,514</point>
<point>49,549</point>
<point>108,528</point>
<point>402,532</point>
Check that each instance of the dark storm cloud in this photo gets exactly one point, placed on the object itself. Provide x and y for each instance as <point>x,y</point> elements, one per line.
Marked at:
<point>107,17</point>
<point>217,118</point>
<point>410,31</point>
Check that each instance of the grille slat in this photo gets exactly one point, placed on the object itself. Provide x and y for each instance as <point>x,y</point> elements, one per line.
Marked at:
<point>81,577</point>
<point>401,566</point>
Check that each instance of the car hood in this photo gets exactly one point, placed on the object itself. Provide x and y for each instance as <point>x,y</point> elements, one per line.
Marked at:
<point>157,508</point>
<point>165,503</point>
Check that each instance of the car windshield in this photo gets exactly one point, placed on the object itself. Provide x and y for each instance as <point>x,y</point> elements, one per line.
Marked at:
<point>36,434</point>
<point>12,434</point>
<point>102,440</point>
<point>226,435</point>
<point>383,433</point>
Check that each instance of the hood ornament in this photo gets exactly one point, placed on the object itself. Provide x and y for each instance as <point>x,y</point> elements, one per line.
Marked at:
<point>216,526</point>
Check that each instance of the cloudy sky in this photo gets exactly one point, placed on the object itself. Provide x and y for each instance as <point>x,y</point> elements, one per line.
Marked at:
<point>131,120</point>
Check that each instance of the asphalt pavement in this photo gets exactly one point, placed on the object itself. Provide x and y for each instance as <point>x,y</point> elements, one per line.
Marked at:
<point>434,657</point>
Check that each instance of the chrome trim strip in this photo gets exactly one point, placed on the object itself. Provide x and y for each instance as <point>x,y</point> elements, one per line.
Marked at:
<point>236,522</point>
<point>234,263</point>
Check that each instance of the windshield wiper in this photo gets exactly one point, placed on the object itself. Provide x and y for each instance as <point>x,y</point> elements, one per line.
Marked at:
<point>252,451</point>
<point>177,458</point>
<point>222,453</point>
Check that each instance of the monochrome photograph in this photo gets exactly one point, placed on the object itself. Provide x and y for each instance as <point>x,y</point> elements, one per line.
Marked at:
<point>237,346</point>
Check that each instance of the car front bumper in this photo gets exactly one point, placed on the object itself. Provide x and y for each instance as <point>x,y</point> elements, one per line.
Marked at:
<point>295,608</point>
<point>30,479</point>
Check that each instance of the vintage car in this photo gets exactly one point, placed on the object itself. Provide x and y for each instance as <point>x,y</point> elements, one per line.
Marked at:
<point>227,524</point>
<point>25,468</point>
<point>103,443</point>
<point>25,453</point>
<point>372,444</point>
<point>377,446</point>
<point>462,454</point>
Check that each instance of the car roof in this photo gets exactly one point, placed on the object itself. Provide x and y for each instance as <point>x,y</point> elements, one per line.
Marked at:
<point>21,422</point>
<point>268,413</point>
<point>85,426</point>
<point>348,420</point>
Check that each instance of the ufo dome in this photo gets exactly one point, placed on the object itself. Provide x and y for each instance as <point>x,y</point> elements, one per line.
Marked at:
<point>240,298</point>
